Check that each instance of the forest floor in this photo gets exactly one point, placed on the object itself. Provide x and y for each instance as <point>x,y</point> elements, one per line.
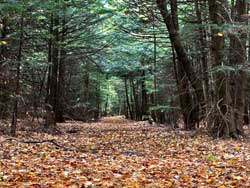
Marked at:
<point>118,153</point>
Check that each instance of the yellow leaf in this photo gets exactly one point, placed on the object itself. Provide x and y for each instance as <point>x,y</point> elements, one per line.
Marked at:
<point>210,180</point>
<point>220,34</point>
<point>135,185</point>
<point>168,184</point>
<point>132,183</point>
<point>97,180</point>
<point>88,184</point>
<point>3,43</point>
<point>32,174</point>
<point>237,177</point>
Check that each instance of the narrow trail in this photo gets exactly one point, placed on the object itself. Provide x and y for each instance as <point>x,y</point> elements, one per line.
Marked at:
<point>116,152</point>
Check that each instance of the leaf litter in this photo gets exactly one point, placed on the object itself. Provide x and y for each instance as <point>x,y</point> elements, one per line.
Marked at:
<point>116,153</point>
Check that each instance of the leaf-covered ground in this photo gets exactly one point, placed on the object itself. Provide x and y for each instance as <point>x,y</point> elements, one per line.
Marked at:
<point>120,153</point>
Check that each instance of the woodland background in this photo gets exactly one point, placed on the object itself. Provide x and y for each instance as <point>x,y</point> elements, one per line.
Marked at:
<point>175,71</point>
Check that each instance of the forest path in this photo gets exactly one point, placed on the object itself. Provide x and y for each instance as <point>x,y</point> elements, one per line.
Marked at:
<point>116,152</point>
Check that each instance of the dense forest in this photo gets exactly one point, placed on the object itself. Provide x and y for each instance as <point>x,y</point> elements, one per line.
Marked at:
<point>124,93</point>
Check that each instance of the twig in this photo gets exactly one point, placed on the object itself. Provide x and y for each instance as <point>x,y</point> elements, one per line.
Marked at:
<point>226,121</point>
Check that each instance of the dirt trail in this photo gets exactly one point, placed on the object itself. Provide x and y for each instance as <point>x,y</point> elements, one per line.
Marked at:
<point>118,153</point>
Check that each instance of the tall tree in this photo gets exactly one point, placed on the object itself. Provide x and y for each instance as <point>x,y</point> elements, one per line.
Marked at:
<point>185,68</point>
<point>237,60</point>
<point>17,87</point>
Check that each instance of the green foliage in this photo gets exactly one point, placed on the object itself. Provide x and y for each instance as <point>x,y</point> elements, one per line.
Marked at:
<point>162,108</point>
<point>101,43</point>
<point>211,157</point>
<point>223,69</point>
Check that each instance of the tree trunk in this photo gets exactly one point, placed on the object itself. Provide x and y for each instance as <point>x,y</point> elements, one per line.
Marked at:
<point>86,85</point>
<point>183,68</point>
<point>154,101</point>
<point>47,98</point>
<point>17,89</point>
<point>132,99</point>
<point>106,105</point>
<point>53,59</point>
<point>130,113</point>
<point>220,124</point>
<point>136,101</point>
<point>3,80</point>
<point>53,94</point>
<point>61,77</point>
<point>185,98</point>
<point>203,53</point>
<point>97,99</point>
<point>237,59</point>
<point>144,97</point>
<point>3,32</point>
<point>182,56</point>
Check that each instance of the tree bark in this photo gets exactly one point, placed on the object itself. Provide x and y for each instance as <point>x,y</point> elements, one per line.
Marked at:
<point>127,99</point>
<point>220,122</point>
<point>180,51</point>
<point>136,100</point>
<point>17,89</point>
<point>86,85</point>
<point>54,69</point>
<point>4,98</point>
<point>61,76</point>
<point>184,71</point>
<point>144,97</point>
<point>202,47</point>
<point>237,59</point>
<point>185,98</point>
